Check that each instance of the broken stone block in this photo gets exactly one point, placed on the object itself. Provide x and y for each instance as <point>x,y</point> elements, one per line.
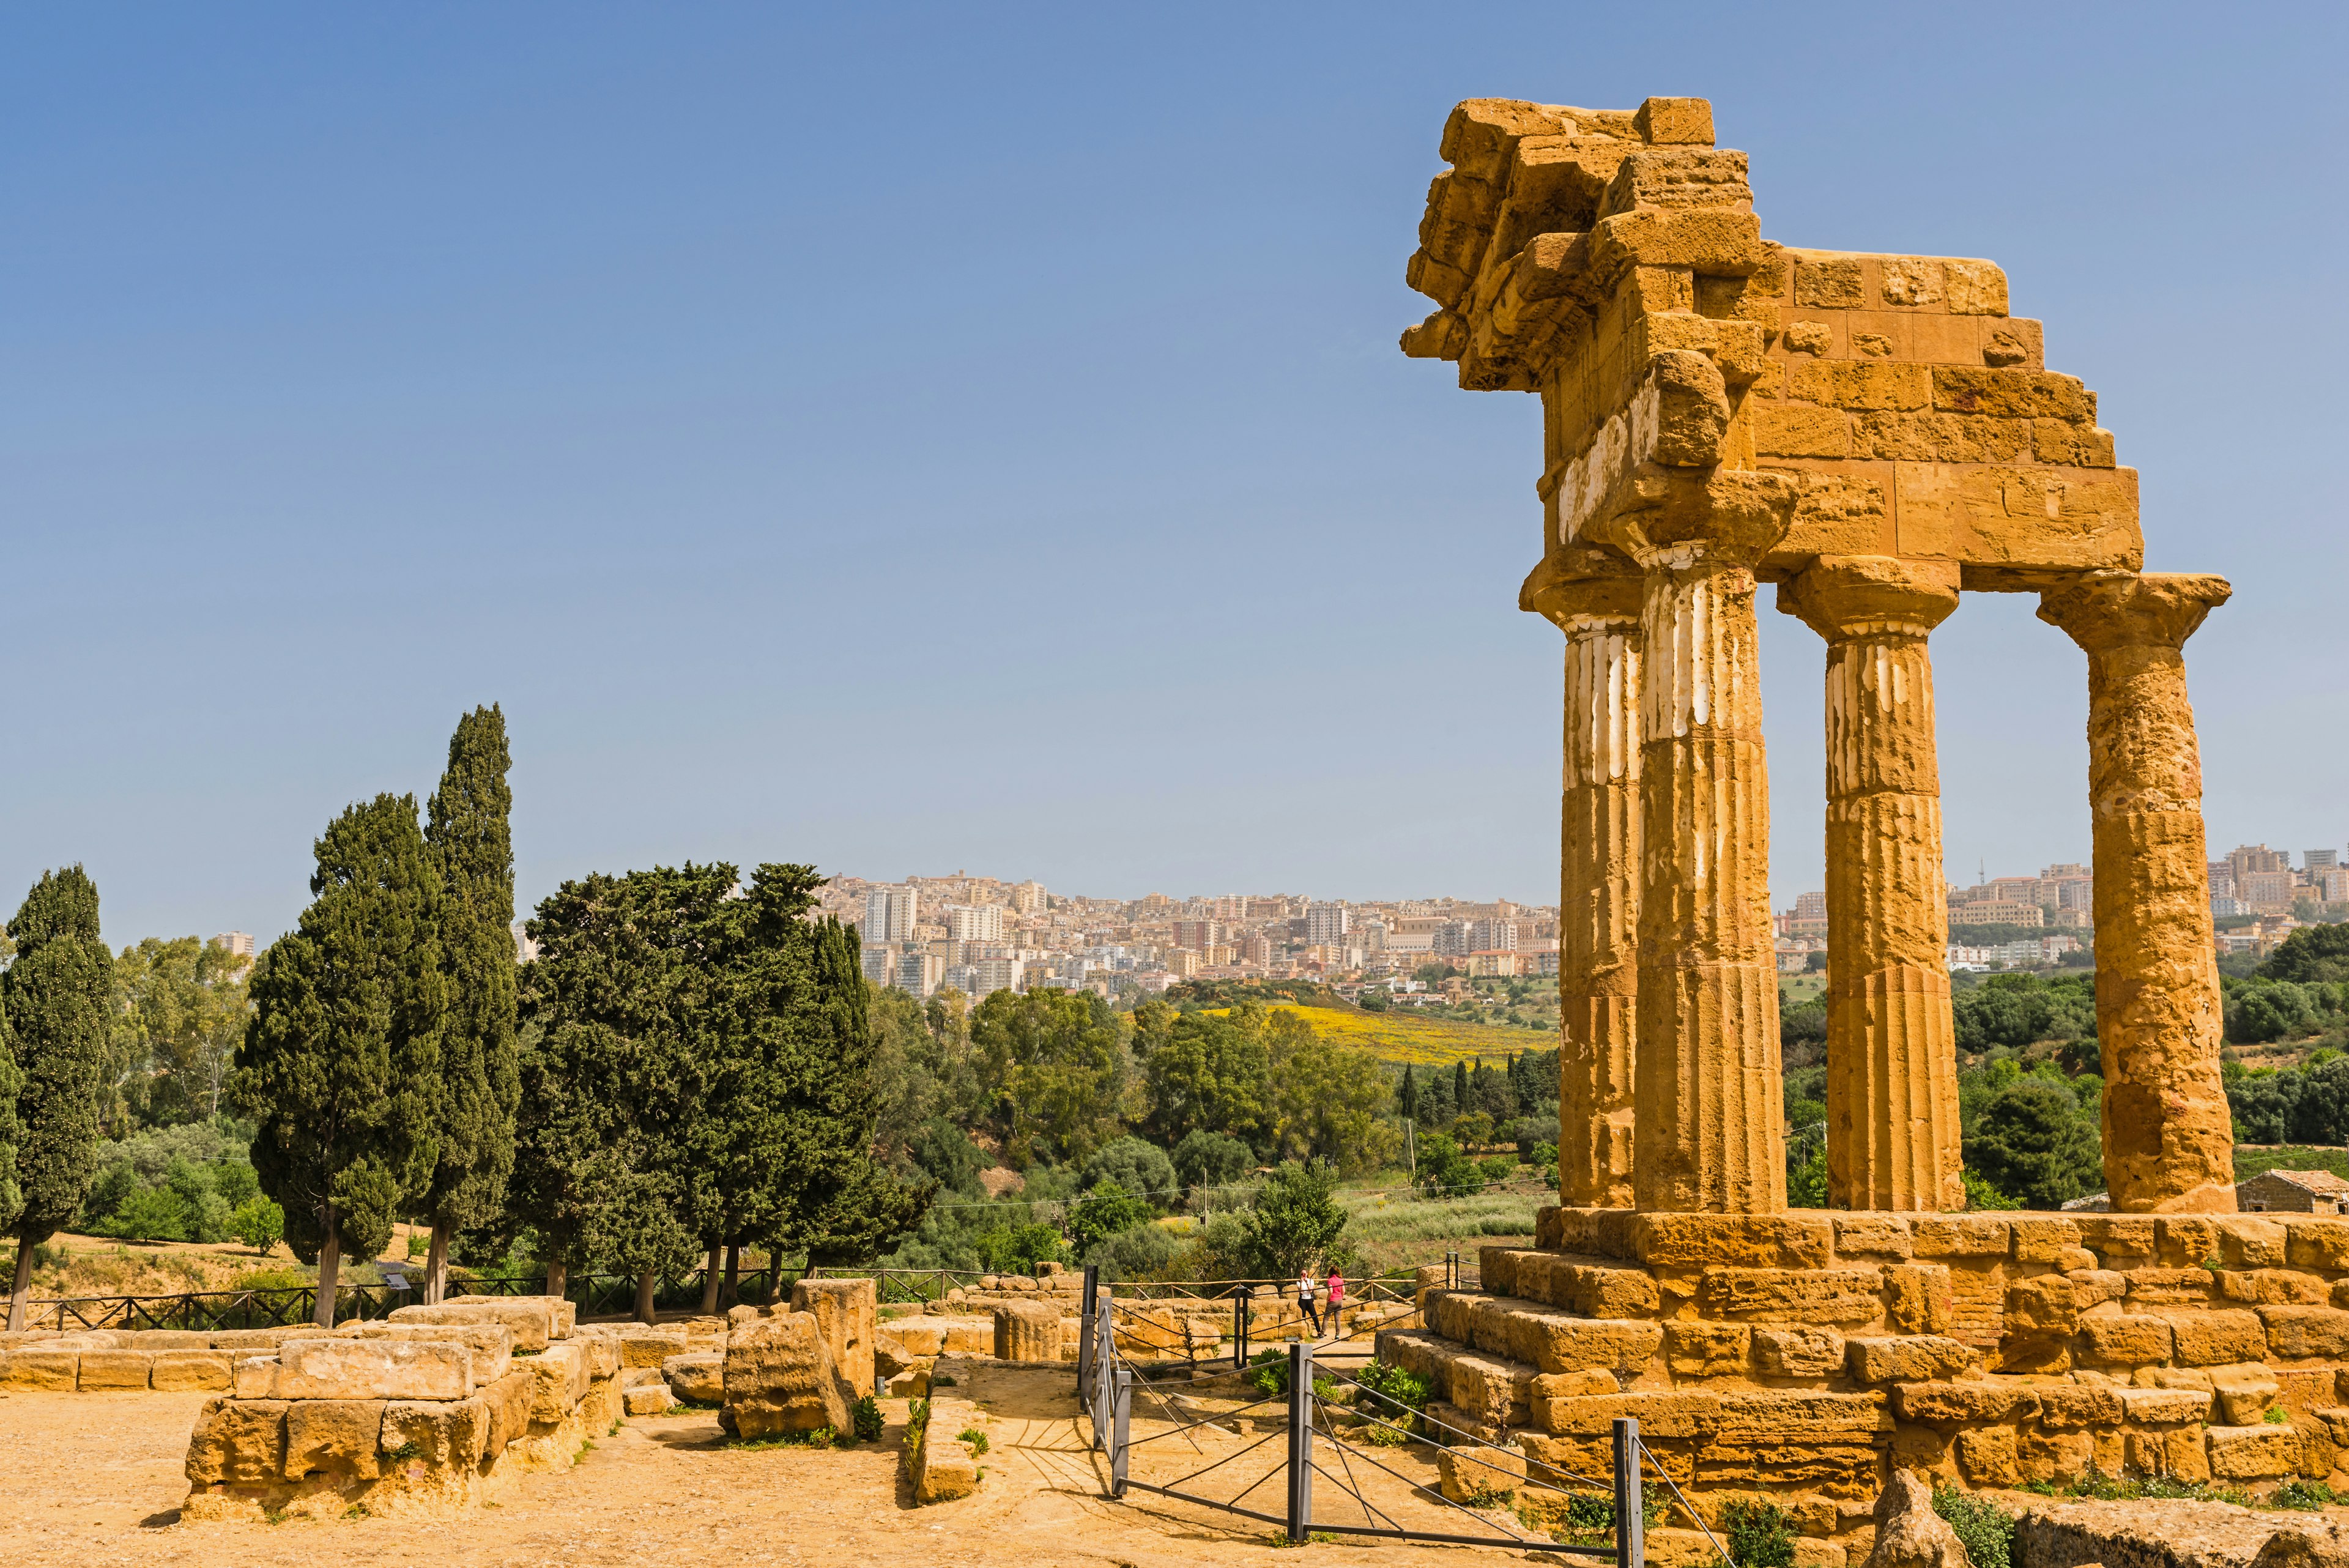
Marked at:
<point>1987,1456</point>
<point>338,1436</point>
<point>943,1467</point>
<point>776,1379</point>
<point>491,1343</point>
<point>44,1371</point>
<point>698,1378</point>
<point>1798,1352</point>
<point>2295,1333</point>
<point>239,1442</point>
<point>532,1319</point>
<point>559,1379</point>
<point>1918,1298</point>
<point>1030,1331</point>
<point>643,1347</point>
<point>2125,1341</point>
<point>253,1376</point>
<point>1476,1475</point>
<point>1796,1295</point>
<point>648,1400</point>
<point>2213,1338</point>
<point>1917,1358</point>
<point>1909,1533</point>
<point>1557,1344</point>
<point>1707,1349</point>
<point>506,1403</point>
<point>438,1435</point>
<point>2252,1453</point>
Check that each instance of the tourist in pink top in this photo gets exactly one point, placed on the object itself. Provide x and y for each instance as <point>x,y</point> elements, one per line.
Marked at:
<point>1336,1300</point>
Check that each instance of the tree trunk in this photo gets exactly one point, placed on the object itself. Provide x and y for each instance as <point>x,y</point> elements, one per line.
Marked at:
<point>436,1264</point>
<point>733,1296</point>
<point>710,1284</point>
<point>645,1282</point>
<point>21,1287</point>
<point>330,1269</point>
<point>558,1277</point>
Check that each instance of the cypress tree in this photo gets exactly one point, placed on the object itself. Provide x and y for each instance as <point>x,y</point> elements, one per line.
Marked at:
<point>341,1061</point>
<point>623,1006</point>
<point>56,1001</point>
<point>1460,1100</point>
<point>480,1085</point>
<point>1407,1096</point>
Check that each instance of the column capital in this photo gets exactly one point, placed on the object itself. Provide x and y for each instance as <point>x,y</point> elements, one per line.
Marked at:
<point>2104,610</point>
<point>1590,604</point>
<point>1688,519</point>
<point>1845,597</point>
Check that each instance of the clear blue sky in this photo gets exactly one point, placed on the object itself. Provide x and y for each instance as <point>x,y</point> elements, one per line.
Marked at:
<point>913,438</point>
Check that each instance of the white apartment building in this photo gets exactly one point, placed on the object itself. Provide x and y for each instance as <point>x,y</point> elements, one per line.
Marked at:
<point>1493,935</point>
<point>1328,925</point>
<point>974,922</point>
<point>880,963</point>
<point>890,914</point>
<point>921,973</point>
<point>239,944</point>
<point>1029,898</point>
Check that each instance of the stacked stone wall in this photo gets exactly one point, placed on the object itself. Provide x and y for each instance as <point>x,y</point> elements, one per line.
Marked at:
<point>1811,1355</point>
<point>434,1407</point>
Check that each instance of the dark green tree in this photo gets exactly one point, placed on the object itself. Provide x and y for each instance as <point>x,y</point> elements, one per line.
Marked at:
<point>56,1001</point>
<point>832,1199</point>
<point>1297,1220</point>
<point>1206,1161</point>
<point>1407,1093</point>
<point>1463,1101</point>
<point>1139,1167</point>
<point>340,1064</point>
<point>1208,1075</point>
<point>2032,1142</point>
<point>2311,953</point>
<point>622,1008</point>
<point>480,1082</point>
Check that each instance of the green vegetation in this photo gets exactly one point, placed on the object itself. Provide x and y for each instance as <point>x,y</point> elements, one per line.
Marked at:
<point>55,1001</point>
<point>1985,1530</point>
<point>864,1419</point>
<point>1760,1535</point>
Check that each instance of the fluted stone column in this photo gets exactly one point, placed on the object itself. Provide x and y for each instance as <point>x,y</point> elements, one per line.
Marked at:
<point>2169,1139</point>
<point>1598,868</point>
<point>1710,1132</point>
<point>1893,1084</point>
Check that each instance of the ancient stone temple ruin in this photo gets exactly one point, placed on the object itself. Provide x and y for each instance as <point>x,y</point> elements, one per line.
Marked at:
<point>1875,436</point>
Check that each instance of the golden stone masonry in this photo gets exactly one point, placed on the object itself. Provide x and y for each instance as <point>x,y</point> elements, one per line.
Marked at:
<point>1873,435</point>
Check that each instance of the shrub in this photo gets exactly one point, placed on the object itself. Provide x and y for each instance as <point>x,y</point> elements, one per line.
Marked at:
<point>258,1222</point>
<point>1267,1372</point>
<point>975,1438</point>
<point>1984,1529</point>
<point>1393,1394</point>
<point>155,1214</point>
<point>917,1423</point>
<point>1445,1172</point>
<point>864,1417</point>
<point>1142,1169</point>
<point>1759,1536</point>
<point>2302,1494</point>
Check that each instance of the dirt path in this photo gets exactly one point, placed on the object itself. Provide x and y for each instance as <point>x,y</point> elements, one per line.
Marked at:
<point>94,1479</point>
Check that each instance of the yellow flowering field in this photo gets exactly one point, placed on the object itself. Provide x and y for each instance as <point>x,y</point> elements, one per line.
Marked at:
<point>1399,1037</point>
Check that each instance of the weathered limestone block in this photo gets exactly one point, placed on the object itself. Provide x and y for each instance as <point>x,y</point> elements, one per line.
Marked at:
<point>30,1371</point>
<point>652,1398</point>
<point>2272,1287</point>
<point>338,1436</point>
<point>1909,1533</point>
<point>941,1466</point>
<point>1873,1235</point>
<point>1471,1475</point>
<point>253,1376</point>
<point>2168,1287</point>
<point>1961,1235</point>
<point>2125,1341</point>
<point>1595,1291</point>
<point>532,1319</point>
<point>1798,1352</point>
<point>1496,1270</point>
<point>776,1380</point>
<point>2243,1400</point>
<point>2245,1242</point>
<point>1680,1414</point>
<point>115,1371</point>
<point>1986,1456</point>
<point>698,1378</point>
<point>1559,1343</point>
<point>2042,1239</point>
<point>843,1315</point>
<point>2168,1136</point>
<point>1918,1298</point>
<point>2045,1304</point>
<point>2079,1404</point>
<point>506,1403</point>
<point>2119,1239</point>
<point>2059,1457</point>
<point>2252,1453</point>
<point>492,1344</point>
<point>1966,1404</point>
<point>559,1377</point>
<point>435,1435</point>
<point>1892,1093</point>
<point>238,1441</point>
<point>184,1371</point>
<point>562,1314</point>
<point>1491,1390</point>
<point>371,1369</point>
<point>1922,1358</point>
<point>1707,1349</point>
<point>1027,1331</point>
<point>2217,1338</point>
<point>1799,1416</point>
<point>2295,1333</point>
<point>1598,871</point>
<point>643,1345</point>
<point>1814,1295</point>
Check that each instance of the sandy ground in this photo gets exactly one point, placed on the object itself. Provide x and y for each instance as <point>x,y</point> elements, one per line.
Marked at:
<point>94,1479</point>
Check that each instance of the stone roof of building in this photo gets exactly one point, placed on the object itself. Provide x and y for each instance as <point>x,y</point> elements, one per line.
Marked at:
<point>2310,1180</point>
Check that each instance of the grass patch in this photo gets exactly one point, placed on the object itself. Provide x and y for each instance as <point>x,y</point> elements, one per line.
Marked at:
<point>2302,1494</point>
<point>975,1438</point>
<point>2250,1162</point>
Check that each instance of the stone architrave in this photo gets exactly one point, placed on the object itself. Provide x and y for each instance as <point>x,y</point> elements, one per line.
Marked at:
<point>2169,1137</point>
<point>1599,896</point>
<point>1892,1085</point>
<point>1707,1084</point>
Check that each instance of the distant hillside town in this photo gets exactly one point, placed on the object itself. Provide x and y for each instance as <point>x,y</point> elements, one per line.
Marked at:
<point>2256,900</point>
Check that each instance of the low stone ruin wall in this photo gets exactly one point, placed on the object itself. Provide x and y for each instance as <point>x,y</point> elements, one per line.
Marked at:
<point>1808,1356</point>
<point>432,1408</point>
